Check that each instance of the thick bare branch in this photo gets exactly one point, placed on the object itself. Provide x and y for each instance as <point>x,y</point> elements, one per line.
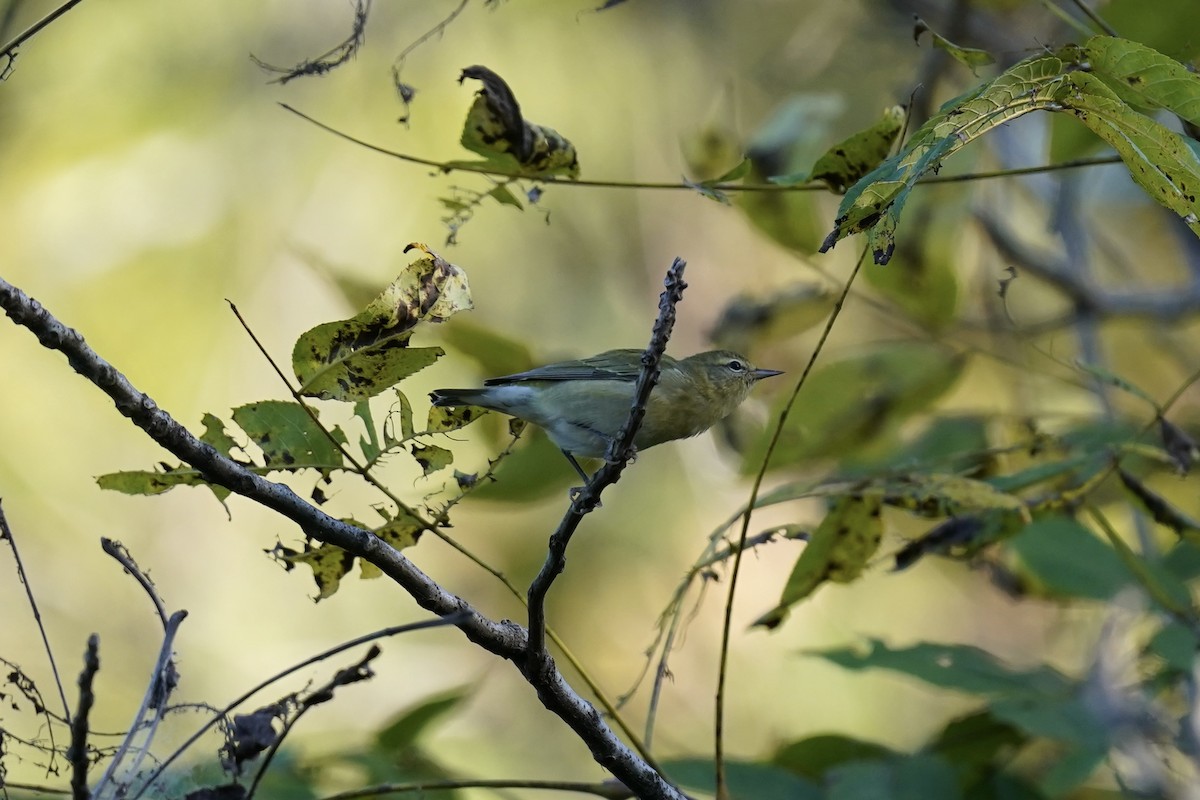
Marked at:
<point>504,638</point>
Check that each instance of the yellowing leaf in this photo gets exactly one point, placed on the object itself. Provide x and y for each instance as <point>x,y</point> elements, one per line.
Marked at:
<point>936,495</point>
<point>443,419</point>
<point>431,458</point>
<point>496,130</point>
<point>360,357</point>
<point>849,160</point>
<point>838,550</point>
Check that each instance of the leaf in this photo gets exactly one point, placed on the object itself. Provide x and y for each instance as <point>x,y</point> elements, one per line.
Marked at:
<point>856,404</point>
<point>1112,379</point>
<point>371,449</point>
<point>329,564</point>
<point>431,458</point>
<point>747,321</point>
<point>970,57</point>
<point>939,495</point>
<point>849,160</point>
<point>214,434</point>
<point>961,537</point>
<point>814,756</point>
<point>443,419</point>
<point>874,203</point>
<point>496,130</point>
<point>1149,75</point>
<point>837,551</point>
<point>360,357</point>
<point>1069,560</point>
<point>1158,159</point>
<point>746,780</point>
<point>403,410</point>
<point>288,437</point>
<point>900,778</point>
<point>951,666</point>
<point>149,483</point>
<point>504,197</point>
<point>405,729</point>
<point>976,742</point>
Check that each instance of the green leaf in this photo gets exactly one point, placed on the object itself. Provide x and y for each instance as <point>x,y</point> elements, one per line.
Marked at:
<point>849,160</point>
<point>1176,645</point>
<point>837,551</point>
<point>939,495</point>
<point>902,778</point>
<point>496,130</point>
<point>149,483</point>
<point>856,404</point>
<point>288,437</point>
<point>431,458</point>
<point>1147,74</point>
<point>504,197</point>
<point>746,780</point>
<point>369,444</point>
<point>443,419</point>
<point>214,434</point>
<point>970,57</point>
<point>360,357</point>
<point>1158,159</point>
<point>405,729</point>
<point>874,203</point>
<point>950,666</point>
<point>977,743</point>
<point>1069,560</point>
<point>814,756</point>
<point>329,564</point>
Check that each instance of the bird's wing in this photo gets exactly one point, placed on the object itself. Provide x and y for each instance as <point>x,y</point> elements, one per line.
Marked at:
<point>614,365</point>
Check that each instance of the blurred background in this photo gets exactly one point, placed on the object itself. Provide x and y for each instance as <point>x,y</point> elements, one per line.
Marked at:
<point>151,177</point>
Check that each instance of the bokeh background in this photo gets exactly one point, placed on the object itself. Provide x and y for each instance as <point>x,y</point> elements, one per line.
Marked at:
<point>150,176</point>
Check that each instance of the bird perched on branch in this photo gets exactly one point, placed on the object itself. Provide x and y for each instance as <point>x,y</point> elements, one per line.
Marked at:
<point>582,404</point>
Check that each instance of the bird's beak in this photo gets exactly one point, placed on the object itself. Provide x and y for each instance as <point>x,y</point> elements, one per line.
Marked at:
<point>759,374</point>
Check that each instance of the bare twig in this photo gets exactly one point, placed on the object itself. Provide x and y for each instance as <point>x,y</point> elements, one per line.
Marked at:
<point>118,551</point>
<point>333,651</point>
<point>77,753</point>
<point>743,536</point>
<point>330,60</point>
<point>620,451</point>
<point>482,169</point>
<point>162,682</point>
<point>505,639</point>
<point>1163,306</point>
<point>9,49</point>
<point>7,535</point>
<point>355,673</point>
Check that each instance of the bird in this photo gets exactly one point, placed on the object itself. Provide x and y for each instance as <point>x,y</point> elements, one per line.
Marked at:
<point>582,404</point>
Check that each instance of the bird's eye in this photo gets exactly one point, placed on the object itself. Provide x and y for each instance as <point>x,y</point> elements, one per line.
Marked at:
<point>736,366</point>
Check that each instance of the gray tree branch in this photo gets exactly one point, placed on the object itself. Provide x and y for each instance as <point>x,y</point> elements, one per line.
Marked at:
<point>504,638</point>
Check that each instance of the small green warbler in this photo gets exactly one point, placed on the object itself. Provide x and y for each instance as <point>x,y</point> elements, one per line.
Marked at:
<point>583,404</point>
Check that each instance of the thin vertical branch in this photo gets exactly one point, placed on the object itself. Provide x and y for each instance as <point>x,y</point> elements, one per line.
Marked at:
<point>77,753</point>
<point>620,451</point>
<point>719,725</point>
<point>7,535</point>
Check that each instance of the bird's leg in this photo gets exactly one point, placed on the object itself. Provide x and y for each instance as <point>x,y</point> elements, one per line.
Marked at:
<point>575,490</point>
<point>575,464</point>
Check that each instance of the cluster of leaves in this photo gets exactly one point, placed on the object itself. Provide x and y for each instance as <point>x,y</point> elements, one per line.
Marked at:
<point>349,361</point>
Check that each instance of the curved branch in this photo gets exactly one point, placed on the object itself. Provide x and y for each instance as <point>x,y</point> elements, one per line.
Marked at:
<point>504,638</point>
